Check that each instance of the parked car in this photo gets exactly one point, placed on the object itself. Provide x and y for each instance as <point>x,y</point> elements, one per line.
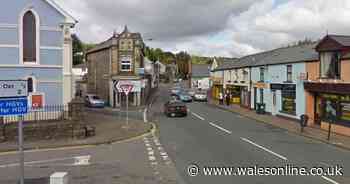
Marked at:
<point>191,92</point>
<point>92,100</point>
<point>201,96</point>
<point>185,97</point>
<point>175,91</point>
<point>174,108</point>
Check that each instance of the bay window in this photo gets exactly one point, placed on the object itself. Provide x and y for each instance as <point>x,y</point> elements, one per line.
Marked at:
<point>330,65</point>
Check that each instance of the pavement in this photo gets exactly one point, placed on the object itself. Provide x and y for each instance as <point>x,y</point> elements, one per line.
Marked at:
<point>290,125</point>
<point>120,163</point>
<point>109,128</point>
<point>138,160</point>
<point>214,137</point>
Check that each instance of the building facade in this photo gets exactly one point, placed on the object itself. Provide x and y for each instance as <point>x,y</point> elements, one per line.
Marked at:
<point>327,87</point>
<point>36,45</point>
<point>120,58</point>
<point>200,76</point>
<point>278,80</point>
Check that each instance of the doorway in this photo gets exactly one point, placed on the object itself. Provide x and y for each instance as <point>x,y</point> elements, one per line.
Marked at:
<point>274,102</point>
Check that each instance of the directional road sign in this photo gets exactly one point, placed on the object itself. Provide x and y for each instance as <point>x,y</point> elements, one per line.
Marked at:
<point>13,88</point>
<point>13,106</point>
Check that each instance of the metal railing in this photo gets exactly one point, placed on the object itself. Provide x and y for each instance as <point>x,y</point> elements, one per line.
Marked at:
<point>45,113</point>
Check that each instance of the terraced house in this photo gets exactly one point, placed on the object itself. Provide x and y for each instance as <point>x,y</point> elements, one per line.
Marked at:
<point>311,79</point>
<point>328,85</point>
<point>36,45</point>
<point>278,80</point>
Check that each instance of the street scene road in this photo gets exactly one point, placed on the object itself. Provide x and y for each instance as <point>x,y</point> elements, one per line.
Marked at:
<point>174,92</point>
<point>213,137</point>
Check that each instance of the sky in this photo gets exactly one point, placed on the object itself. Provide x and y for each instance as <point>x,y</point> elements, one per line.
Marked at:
<point>229,28</point>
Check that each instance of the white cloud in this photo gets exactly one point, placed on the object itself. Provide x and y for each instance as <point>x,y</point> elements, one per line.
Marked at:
<point>213,28</point>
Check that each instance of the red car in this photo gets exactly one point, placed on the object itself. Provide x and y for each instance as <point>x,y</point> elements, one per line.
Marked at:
<point>175,108</point>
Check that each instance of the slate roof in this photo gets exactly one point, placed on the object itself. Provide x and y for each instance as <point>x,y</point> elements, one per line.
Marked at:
<point>341,39</point>
<point>225,63</point>
<point>285,55</point>
<point>199,70</point>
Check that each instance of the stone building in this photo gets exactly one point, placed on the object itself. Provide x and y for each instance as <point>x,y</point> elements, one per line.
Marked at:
<point>120,58</point>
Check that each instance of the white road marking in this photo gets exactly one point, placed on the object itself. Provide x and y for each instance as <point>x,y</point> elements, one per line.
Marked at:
<point>329,180</point>
<point>151,153</point>
<point>152,158</point>
<point>265,149</point>
<point>147,145</point>
<point>154,163</point>
<point>160,148</point>
<point>165,158</point>
<point>220,128</point>
<point>198,116</point>
<point>82,160</point>
<point>78,159</point>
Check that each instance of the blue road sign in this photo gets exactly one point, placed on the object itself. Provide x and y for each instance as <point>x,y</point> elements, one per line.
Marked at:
<point>15,106</point>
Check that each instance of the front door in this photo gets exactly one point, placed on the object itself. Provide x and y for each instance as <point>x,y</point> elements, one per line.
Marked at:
<point>274,102</point>
<point>255,97</point>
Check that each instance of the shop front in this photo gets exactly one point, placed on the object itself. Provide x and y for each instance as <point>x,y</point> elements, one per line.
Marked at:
<point>235,92</point>
<point>288,99</point>
<point>331,99</point>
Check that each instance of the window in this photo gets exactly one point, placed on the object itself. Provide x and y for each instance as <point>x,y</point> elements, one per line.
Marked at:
<point>289,73</point>
<point>30,85</point>
<point>236,74</point>
<point>126,63</point>
<point>330,65</point>
<point>29,37</point>
<point>262,73</point>
<point>245,75</point>
<point>288,99</point>
<point>335,104</point>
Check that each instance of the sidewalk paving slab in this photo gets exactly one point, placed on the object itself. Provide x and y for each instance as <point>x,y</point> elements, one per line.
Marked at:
<point>109,129</point>
<point>312,132</point>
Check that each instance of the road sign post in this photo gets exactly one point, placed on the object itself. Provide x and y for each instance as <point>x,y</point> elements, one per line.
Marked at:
<point>13,101</point>
<point>125,87</point>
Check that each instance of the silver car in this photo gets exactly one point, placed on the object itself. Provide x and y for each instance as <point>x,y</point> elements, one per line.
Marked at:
<point>92,100</point>
<point>201,96</point>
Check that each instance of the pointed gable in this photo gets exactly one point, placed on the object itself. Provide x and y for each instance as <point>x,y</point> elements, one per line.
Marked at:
<point>69,18</point>
<point>333,43</point>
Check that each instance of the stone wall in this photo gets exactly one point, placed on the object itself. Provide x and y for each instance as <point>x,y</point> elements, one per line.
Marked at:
<point>99,73</point>
<point>38,131</point>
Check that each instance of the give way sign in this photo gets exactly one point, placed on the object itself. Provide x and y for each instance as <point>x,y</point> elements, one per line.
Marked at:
<point>124,87</point>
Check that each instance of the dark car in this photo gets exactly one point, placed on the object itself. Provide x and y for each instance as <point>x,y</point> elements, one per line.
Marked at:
<point>175,108</point>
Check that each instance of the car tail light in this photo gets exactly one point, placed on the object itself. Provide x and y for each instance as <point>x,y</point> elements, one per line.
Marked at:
<point>183,108</point>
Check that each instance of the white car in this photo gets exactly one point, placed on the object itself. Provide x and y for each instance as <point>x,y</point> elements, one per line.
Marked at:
<point>201,96</point>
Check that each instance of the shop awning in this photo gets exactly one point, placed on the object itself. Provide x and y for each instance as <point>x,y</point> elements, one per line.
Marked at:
<point>336,88</point>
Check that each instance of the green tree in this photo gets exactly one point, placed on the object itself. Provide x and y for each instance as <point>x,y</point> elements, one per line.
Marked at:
<point>78,50</point>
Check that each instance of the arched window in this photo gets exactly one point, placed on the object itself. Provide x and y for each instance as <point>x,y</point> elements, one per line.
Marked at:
<point>30,85</point>
<point>29,37</point>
